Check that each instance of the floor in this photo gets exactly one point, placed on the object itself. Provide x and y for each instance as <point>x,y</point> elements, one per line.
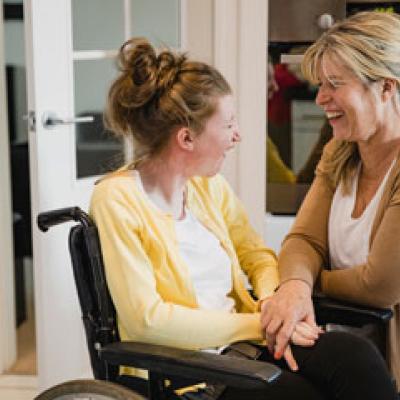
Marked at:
<point>26,362</point>
<point>20,381</point>
<point>18,387</point>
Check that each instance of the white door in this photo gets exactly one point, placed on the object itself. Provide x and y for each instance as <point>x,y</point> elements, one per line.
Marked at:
<point>70,45</point>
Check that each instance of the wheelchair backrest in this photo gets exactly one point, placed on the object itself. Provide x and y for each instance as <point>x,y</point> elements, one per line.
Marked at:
<point>98,312</point>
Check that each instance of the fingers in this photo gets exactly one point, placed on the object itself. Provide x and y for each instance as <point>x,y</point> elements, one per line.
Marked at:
<point>306,334</point>
<point>270,333</point>
<point>300,340</point>
<point>307,331</point>
<point>310,318</point>
<point>291,362</point>
<point>283,337</point>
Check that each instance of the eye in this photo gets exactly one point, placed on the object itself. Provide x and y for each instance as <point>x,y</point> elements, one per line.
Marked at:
<point>336,83</point>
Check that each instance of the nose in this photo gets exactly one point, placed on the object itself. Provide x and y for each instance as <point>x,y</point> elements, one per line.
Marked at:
<point>236,136</point>
<point>323,96</point>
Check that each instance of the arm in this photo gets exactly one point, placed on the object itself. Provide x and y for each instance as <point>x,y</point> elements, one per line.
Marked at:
<point>256,260</point>
<point>303,254</point>
<point>143,312</point>
<point>377,282</point>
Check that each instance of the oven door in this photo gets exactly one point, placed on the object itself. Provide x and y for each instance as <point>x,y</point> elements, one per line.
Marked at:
<point>302,20</point>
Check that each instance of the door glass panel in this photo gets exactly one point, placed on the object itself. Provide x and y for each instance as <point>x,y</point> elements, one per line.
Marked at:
<point>97,150</point>
<point>157,20</point>
<point>97,24</point>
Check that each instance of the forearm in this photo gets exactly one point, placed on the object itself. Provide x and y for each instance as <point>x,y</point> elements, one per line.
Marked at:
<point>263,275</point>
<point>183,327</point>
<point>355,285</point>
<point>299,260</point>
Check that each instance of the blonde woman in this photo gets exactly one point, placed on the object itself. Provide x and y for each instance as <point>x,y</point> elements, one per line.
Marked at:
<point>177,243</point>
<point>346,234</point>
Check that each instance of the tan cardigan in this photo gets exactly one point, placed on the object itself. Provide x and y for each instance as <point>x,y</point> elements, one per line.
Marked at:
<point>304,253</point>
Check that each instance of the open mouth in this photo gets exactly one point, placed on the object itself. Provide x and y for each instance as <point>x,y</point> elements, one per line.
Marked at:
<point>334,115</point>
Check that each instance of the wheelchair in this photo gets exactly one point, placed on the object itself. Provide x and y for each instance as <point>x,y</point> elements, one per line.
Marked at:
<point>164,364</point>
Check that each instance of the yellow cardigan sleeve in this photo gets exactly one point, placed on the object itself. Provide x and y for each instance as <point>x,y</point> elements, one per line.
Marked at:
<point>257,261</point>
<point>144,314</point>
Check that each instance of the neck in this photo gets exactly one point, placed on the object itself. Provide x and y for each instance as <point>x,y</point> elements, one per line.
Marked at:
<point>165,182</point>
<point>381,148</point>
<point>377,157</point>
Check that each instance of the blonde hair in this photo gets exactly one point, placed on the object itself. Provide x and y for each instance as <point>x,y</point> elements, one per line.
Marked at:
<point>368,44</point>
<point>155,94</point>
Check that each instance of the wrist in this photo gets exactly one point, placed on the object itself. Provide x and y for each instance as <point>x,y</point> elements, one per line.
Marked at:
<point>300,285</point>
<point>262,303</point>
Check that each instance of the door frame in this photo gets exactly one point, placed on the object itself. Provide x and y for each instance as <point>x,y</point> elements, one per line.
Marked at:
<point>240,53</point>
<point>8,340</point>
<point>234,38</point>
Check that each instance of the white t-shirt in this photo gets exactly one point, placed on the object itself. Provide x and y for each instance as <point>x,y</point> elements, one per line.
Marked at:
<point>209,265</point>
<point>348,236</point>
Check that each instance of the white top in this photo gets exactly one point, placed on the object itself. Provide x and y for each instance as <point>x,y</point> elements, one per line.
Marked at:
<point>208,264</point>
<point>348,236</point>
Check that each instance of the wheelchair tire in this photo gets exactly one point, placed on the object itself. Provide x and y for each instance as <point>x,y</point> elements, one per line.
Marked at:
<point>88,389</point>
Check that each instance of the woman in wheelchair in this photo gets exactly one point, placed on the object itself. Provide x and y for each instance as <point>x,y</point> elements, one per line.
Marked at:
<point>177,244</point>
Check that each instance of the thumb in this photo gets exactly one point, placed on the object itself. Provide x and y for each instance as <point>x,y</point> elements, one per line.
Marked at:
<point>310,319</point>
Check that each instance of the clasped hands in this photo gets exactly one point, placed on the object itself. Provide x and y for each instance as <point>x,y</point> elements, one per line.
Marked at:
<point>288,317</point>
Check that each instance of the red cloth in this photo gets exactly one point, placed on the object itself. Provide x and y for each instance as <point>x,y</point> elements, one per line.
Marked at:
<point>279,109</point>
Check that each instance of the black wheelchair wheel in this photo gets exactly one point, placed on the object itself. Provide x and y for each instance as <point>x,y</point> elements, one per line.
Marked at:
<point>88,389</point>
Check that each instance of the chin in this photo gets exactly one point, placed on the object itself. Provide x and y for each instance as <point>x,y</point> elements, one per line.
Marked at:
<point>211,174</point>
<point>341,134</point>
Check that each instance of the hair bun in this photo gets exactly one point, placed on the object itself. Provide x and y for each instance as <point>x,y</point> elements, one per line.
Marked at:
<point>138,62</point>
<point>169,66</point>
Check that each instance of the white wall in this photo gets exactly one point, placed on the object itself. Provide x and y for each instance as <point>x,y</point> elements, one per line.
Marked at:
<point>275,229</point>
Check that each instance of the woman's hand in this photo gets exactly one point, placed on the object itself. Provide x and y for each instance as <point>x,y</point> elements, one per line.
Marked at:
<point>280,315</point>
<point>305,334</point>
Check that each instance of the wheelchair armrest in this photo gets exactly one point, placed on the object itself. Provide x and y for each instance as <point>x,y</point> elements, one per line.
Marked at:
<point>191,364</point>
<point>328,310</point>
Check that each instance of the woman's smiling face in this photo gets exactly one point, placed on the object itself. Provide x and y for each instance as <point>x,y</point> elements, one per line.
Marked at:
<point>354,108</point>
<point>220,135</point>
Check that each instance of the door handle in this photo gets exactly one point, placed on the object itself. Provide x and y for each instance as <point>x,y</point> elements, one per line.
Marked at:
<point>51,120</point>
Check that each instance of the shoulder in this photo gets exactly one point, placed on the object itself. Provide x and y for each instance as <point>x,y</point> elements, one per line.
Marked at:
<point>117,190</point>
<point>394,182</point>
<point>215,186</point>
<point>114,184</point>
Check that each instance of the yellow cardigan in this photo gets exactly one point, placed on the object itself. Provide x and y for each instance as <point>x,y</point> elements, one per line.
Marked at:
<point>148,280</point>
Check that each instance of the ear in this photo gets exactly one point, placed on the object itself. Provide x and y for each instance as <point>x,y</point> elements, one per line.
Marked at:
<point>389,88</point>
<point>184,138</point>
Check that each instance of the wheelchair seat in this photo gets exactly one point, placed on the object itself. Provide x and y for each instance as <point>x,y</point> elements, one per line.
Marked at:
<point>163,363</point>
